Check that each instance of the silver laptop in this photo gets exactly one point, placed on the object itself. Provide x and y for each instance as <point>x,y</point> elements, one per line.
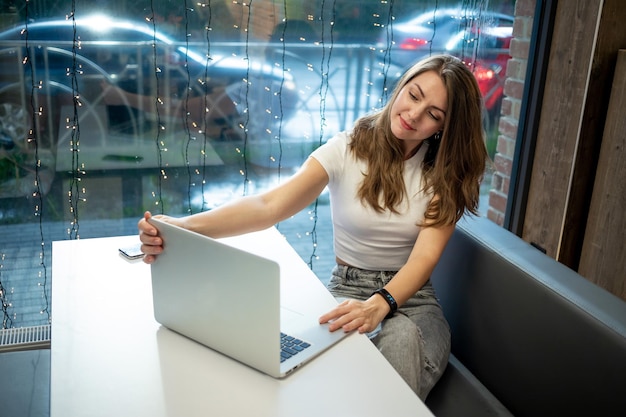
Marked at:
<point>229,300</point>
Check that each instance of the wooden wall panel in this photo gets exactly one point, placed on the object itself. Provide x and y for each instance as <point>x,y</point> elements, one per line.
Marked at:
<point>562,111</point>
<point>586,38</point>
<point>611,37</point>
<point>603,258</point>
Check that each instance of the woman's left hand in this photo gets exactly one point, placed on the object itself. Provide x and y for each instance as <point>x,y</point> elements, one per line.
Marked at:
<point>351,315</point>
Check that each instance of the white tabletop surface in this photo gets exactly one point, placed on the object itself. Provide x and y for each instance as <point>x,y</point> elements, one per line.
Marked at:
<point>111,358</point>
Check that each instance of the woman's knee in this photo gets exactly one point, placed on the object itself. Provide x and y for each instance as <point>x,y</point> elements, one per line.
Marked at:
<point>419,358</point>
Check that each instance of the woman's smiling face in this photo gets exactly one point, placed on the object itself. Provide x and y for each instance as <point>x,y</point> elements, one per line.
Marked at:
<point>420,109</point>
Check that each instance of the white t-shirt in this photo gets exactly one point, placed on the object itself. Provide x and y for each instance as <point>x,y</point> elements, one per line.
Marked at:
<point>362,237</point>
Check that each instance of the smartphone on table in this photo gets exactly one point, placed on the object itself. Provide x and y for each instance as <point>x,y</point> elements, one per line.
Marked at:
<point>131,252</point>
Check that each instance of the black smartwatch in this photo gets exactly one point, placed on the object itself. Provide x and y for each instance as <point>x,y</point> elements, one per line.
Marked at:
<point>393,305</point>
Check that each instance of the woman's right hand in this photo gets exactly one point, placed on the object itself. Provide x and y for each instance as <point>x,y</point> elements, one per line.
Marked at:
<point>151,242</point>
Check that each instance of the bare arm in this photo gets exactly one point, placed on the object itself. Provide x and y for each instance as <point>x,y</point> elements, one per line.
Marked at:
<point>421,263</point>
<point>247,214</point>
<point>365,315</point>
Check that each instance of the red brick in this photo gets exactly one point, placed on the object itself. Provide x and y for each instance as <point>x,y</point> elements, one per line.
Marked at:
<point>506,107</point>
<point>523,27</point>
<point>514,88</point>
<point>516,106</point>
<point>494,216</point>
<point>497,181</point>
<point>508,127</point>
<point>503,164</point>
<point>516,68</point>
<point>506,182</point>
<point>525,8</point>
<point>500,183</point>
<point>506,146</point>
<point>513,68</point>
<point>497,201</point>
<point>523,67</point>
<point>519,28</point>
<point>519,48</point>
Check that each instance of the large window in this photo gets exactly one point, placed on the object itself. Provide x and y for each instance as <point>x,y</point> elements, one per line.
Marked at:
<point>111,108</point>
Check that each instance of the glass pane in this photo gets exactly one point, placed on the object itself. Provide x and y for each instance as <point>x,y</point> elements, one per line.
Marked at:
<point>175,106</point>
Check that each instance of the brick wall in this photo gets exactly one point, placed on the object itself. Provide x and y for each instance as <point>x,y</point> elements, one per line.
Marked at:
<point>510,112</point>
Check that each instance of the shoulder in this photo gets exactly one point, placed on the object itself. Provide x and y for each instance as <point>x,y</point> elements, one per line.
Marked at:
<point>341,139</point>
<point>333,154</point>
<point>336,145</point>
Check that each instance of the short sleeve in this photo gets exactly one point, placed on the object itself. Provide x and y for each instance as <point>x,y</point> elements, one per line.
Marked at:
<point>332,155</point>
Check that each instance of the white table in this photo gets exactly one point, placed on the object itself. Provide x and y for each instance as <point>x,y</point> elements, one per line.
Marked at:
<point>111,358</point>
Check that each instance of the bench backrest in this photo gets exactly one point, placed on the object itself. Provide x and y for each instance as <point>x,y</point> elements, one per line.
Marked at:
<point>543,339</point>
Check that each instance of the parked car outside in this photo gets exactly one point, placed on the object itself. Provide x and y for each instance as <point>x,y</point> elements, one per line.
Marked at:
<point>135,82</point>
<point>430,32</point>
<point>480,38</point>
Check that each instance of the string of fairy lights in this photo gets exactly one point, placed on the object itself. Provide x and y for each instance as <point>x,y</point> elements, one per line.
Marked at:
<point>205,103</point>
<point>75,192</point>
<point>5,303</point>
<point>280,90</point>
<point>323,94</point>
<point>158,101</point>
<point>42,273</point>
<point>197,136</point>
<point>32,139</point>
<point>386,61</point>
<point>244,24</point>
<point>186,119</point>
<point>35,111</point>
<point>246,122</point>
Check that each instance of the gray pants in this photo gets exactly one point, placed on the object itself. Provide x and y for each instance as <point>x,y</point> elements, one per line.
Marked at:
<point>416,340</point>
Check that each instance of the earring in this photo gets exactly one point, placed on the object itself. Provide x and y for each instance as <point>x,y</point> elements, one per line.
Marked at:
<point>438,135</point>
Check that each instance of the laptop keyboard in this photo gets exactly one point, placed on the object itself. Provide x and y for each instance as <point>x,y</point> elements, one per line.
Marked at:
<point>290,346</point>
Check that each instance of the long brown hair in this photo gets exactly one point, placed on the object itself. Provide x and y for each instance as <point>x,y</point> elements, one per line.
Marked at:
<point>454,163</point>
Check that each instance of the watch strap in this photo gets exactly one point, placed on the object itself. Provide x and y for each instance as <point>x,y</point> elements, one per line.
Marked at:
<point>393,305</point>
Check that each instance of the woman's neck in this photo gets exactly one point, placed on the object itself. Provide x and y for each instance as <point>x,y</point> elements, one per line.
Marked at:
<point>410,151</point>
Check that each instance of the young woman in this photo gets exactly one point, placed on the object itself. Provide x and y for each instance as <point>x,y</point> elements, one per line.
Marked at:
<point>398,183</point>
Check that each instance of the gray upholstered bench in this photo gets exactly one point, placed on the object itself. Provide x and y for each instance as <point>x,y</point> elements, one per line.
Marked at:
<point>530,337</point>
